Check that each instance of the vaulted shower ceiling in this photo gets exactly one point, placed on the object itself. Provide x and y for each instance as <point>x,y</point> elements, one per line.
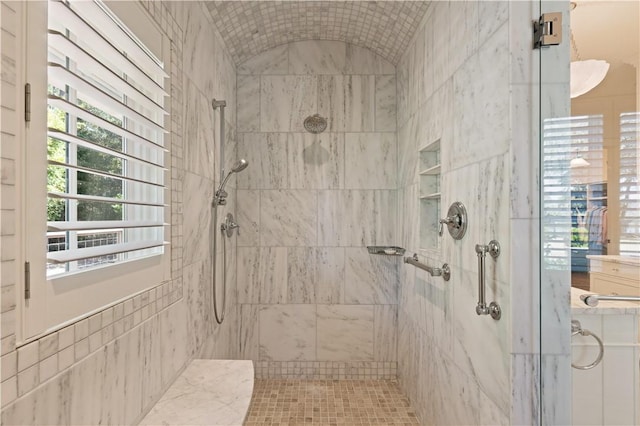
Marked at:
<point>251,27</point>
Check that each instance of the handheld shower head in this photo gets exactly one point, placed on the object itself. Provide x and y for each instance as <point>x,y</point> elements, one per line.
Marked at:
<point>240,166</point>
<point>221,194</point>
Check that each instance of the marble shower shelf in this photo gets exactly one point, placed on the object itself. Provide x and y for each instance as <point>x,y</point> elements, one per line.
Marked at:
<point>434,196</point>
<point>431,171</point>
<point>386,250</point>
<point>208,392</point>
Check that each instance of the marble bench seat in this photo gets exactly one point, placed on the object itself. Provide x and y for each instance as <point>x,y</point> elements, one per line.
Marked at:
<point>208,392</point>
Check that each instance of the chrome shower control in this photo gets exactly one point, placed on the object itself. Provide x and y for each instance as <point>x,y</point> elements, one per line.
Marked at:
<point>456,221</point>
<point>229,225</point>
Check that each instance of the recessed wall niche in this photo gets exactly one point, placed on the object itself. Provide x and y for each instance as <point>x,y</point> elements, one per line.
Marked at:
<point>429,170</point>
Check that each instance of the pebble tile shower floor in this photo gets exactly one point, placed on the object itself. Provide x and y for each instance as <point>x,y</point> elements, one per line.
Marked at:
<point>329,402</point>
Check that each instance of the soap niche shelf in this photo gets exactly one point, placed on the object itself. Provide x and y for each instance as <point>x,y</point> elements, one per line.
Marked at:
<point>429,171</point>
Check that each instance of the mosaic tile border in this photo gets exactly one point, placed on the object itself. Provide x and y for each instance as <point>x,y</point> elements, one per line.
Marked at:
<point>326,370</point>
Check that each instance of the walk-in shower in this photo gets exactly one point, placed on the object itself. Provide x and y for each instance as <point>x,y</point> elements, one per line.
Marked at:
<point>226,229</point>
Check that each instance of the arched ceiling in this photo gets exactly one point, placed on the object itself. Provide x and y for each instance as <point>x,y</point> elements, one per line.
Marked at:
<point>251,27</point>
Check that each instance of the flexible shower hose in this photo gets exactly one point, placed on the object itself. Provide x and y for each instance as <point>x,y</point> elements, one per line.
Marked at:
<point>219,318</point>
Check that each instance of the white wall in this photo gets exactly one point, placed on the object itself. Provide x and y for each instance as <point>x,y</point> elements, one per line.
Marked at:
<point>111,367</point>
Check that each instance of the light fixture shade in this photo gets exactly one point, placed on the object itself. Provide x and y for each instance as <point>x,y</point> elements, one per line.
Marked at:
<point>578,162</point>
<point>585,75</point>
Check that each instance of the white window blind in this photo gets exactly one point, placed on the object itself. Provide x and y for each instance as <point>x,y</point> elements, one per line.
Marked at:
<point>564,204</point>
<point>106,141</point>
<point>629,184</point>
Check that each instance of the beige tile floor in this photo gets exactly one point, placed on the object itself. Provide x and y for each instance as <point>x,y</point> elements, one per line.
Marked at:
<point>329,402</point>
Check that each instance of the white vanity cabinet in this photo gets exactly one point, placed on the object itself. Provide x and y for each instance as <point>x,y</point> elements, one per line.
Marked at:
<point>614,275</point>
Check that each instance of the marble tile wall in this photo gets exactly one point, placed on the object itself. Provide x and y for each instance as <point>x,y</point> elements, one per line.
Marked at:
<point>471,86</point>
<point>308,205</point>
<point>110,368</point>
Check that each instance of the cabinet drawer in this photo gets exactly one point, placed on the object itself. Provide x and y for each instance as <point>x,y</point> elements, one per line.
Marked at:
<point>618,270</point>
<point>606,284</point>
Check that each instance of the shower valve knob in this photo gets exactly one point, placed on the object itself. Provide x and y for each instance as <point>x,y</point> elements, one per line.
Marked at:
<point>456,221</point>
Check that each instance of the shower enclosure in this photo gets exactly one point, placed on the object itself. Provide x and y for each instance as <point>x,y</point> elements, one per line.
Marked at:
<point>590,216</point>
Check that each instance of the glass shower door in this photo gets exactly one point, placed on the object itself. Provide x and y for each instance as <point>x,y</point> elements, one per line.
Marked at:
<point>590,216</point>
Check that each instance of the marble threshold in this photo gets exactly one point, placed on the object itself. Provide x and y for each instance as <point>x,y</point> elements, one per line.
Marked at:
<point>208,392</point>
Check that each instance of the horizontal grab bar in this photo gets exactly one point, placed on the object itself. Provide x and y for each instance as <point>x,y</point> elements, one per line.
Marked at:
<point>593,299</point>
<point>444,272</point>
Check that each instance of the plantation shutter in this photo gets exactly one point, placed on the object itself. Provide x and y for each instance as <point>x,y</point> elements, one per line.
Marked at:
<point>106,140</point>
<point>566,139</point>
<point>629,185</point>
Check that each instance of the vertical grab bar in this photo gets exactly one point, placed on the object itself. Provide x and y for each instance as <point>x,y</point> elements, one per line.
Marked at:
<point>493,248</point>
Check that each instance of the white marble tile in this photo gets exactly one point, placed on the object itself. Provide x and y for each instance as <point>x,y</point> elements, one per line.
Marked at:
<point>112,400</point>
<point>248,96</point>
<point>555,311</point>
<point>315,161</point>
<point>262,274</point>
<point>202,152</point>
<point>372,160</point>
<point>525,155</point>
<point>208,392</point>
<point>8,396</point>
<point>133,368</point>
<point>266,154</point>
<point>360,60</point>
<point>525,396</point>
<point>248,216</point>
<point>416,72</point>
<point>152,385</point>
<point>345,333</point>
<point>288,218</point>
<point>475,334</point>
<point>331,275</point>
<point>84,378</point>
<point>198,193</point>
<point>555,389</point>
<point>317,57</point>
<point>463,32</point>
<point>410,226</point>
<point>370,279</point>
<point>48,404</point>
<point>402,91</point>
<point>9,365</point>
<point>408,158</point>
<point>302,275</point>
<point>356,218</point>
<point>499,12</point>
<point>272,62</point>
<point>482,108</point>
<point>439,24</point>
<point>249,338</point>
<point>385,103</point>
<point>348,102</point>
<point>525,279</point>
<point>385,318</point>
<point>27,355</point>
<point>287,332</point>
<point>198,36</point>
<point>173,332</point>
<point>28,379</point>
<point>285,101</point>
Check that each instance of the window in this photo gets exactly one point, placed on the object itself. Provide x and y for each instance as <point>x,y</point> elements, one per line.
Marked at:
<point>105,143</point>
